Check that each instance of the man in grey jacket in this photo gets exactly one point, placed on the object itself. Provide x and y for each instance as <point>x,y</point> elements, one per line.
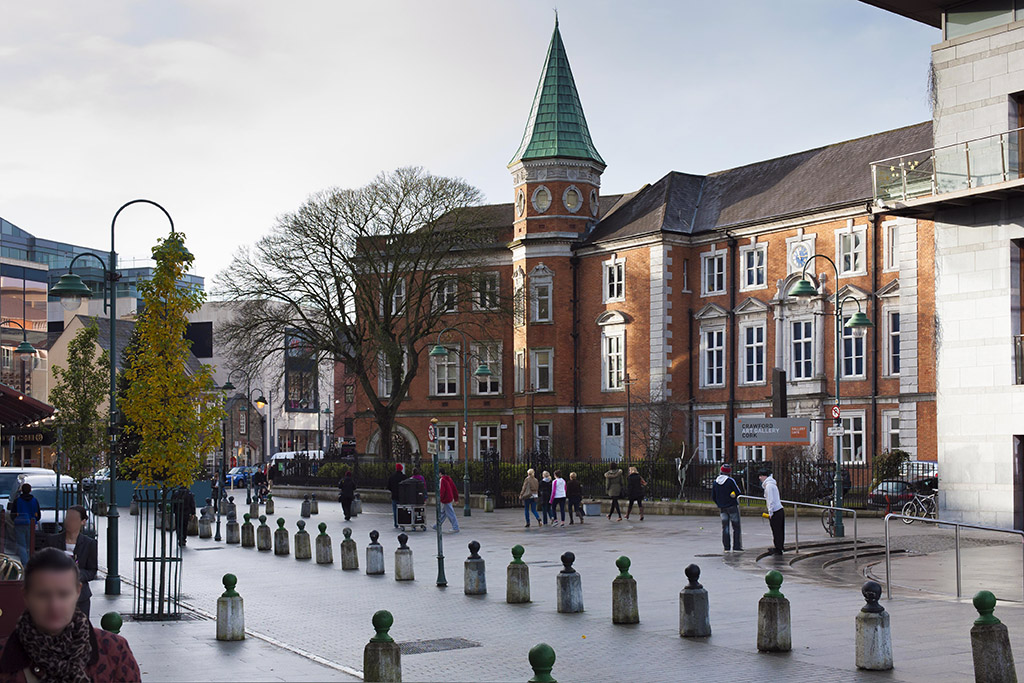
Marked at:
<point>776,516</point>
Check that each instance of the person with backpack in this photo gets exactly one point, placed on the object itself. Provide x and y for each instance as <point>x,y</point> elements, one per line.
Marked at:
<point>725,492</point>
<point>27,513</point>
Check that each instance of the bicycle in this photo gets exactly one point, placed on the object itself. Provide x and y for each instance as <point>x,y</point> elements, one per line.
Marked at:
<point>921,506</point>
<point>828,519</point>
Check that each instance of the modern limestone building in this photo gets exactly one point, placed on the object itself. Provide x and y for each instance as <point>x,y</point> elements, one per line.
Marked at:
<point>670,305</point>
<point>968,181</point>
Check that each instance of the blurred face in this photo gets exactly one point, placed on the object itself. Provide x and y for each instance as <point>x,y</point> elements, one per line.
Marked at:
<point>50,598</point>
<point>72,523</point>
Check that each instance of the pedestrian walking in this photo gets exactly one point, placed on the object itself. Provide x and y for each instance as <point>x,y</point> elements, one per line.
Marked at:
<point>531,488</point>
<point>54,641</point>
<point>82,549</point>
<point>574,492</point>
<point>635,488</point>
<point>545,497</point>
<point>183,503</point>
<point>776,515</point>
<point>259,483</point>
<point>215,489</point>
<point>558,496</point>
<point>26,513</point>
<point>449,495</point>
<point>725,492</point>
<point>393,481</point>
<point>613,487</point>
<point>347,494</point>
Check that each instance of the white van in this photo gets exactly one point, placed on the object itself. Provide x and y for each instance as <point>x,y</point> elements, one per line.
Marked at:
<point>290,455</point>
<point>44,488</point>
<point>9,475</point>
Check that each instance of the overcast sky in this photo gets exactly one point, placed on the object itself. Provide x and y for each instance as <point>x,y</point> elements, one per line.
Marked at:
<point>229,113</point>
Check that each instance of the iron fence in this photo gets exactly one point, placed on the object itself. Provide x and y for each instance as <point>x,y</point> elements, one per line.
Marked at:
<point>157,568</point>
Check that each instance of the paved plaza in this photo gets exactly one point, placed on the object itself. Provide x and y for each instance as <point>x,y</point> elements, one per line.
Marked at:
<point>310,622</point>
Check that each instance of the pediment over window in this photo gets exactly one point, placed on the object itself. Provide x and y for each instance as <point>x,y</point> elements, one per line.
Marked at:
<point>750,307</point>
<point>711,312</point>
<point>851,291</point>
<point>612,318</point>
<point>887,291</point>
<point>541,271</point>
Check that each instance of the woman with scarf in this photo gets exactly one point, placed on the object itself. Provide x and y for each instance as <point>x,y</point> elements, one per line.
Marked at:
<point>54,642</point>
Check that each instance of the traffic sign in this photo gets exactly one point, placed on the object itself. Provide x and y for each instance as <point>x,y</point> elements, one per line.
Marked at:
<point>463,433</point>
<point>431,433</point>
<point>836,431</point>
<point>431,448</point>
<point>835,412</point>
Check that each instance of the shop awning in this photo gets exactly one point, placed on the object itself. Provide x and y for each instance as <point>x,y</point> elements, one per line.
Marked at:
<point>18,409</point>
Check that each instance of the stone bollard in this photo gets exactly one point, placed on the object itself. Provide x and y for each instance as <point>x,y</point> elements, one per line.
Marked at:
<point>268,507</point>
<point>111,622</point>
<point>233,535</point>
<point>133,507</point>
<point>205,528</point>
<point>314,506</point>
<point>569,587</point>
<point>222,505</point>
<point>517,587</point>
<point>542,661</point>
<point>357,506</point>
<point>403,560</point>
<point>382,657</point>
<point>694,610</point>
<point>774,631</point>
<point>254,509</point>
<point>990,644</point>
<point>248,532</point>
<point>230,620</point>
<point>349,552</point>
<point>302,548</point>
<point>488,502</point>
<point>374,556</point>
<point>874,639</point>
<point>624,605</point>
<point>475,582</point>
<point>193,526</point>
<point>263,541</point>
<point>324,550</point>
<point>281,538</point>
<point>304,509</point>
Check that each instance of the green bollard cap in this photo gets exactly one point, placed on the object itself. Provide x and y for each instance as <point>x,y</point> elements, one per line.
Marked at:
<point>347,533</point>
<point>322,526</point>
<point>302,526</point>
<point>263,520</point>
<point>623,564</point>
<point>111,622</point>
<point>382,622</point>
<point>517,554</point>
<point>542,660</point>
<point>985,603</point>
<point>280,522</point>
<point>230,581</point>
<point>774,581</point>
<point>247,517</point>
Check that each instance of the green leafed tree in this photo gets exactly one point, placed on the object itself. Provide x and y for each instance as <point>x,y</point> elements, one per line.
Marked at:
<point>78,392</point>
<point>173,413</point>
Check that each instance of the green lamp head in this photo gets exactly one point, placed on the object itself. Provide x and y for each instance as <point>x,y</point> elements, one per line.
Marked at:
<point>483,371</point>
<point>438,350</point>
<point>860,323</point>
<point>25,350</point>
<point>803,288</point>
<point>71,291</point>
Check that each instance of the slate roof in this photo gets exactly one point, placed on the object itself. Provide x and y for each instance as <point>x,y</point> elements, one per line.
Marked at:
<point>124,335</point>
<point>557,126</point>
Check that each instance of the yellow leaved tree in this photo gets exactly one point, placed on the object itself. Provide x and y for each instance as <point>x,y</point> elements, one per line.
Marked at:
<point>171,409</point>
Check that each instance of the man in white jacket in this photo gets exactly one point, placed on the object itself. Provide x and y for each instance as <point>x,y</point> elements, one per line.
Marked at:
<point>776,516</point>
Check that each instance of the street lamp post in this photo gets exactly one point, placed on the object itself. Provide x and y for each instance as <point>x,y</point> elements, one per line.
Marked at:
<point>25,350</point>
<point>442,580</point>
<point>858,323</point>
<point>229,429</point>
<point>323,408</point>
<point>260,402</point>
<point>628,382</point>
<point>72,292</point>
<point>482,371</point>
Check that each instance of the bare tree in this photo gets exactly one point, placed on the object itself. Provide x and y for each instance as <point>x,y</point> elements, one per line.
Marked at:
<point>651,424</point>
<point>365,276</point>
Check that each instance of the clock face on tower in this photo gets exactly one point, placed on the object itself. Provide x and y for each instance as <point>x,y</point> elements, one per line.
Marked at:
<point>799,255</point>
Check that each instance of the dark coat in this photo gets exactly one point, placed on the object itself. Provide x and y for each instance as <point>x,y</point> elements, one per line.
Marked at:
<point>111,659</point>
<point>573,489</point>
<point>86,550</point>
<point>393,481</point>
<point>347,487</point>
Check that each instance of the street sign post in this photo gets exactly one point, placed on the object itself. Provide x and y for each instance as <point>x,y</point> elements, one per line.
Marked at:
<point>836,412</point>
<point>463,433</point>
<point>768,431</point>
<point>836,431</point>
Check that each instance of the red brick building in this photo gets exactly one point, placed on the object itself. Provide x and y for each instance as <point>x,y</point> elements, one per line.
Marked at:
<point>677,296</point>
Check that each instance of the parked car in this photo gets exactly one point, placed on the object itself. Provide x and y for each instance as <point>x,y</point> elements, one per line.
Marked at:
<point>44,488</point>
<point>893,493</point>
<point>100,476</point>
<point>238,476</point>
<point>9,476</point>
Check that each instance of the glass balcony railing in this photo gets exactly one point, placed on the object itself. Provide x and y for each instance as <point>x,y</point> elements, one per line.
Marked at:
<point>961,166</point>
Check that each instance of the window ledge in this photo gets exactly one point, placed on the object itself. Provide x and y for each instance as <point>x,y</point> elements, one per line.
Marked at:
<point>754,288</point>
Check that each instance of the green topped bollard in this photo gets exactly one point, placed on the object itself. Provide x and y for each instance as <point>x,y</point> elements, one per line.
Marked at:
<point>269,507</point>
<point>303,551</point>
<point>382,657</point>
<point>314,505</point>
<point>517,585</point>
<point>349,551</point>
<point>624,603</point>
<point>111,622</point>
<point>248,532</point>
<point>324,551</point>
<point>263,539</point>
<point>230,620</point>
<point>281,544</point>
<point>990,644</point>
<point>774,630</point>
<point>542,661</point>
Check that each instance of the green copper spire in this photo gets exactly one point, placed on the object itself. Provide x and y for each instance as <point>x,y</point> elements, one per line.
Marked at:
<point>557,126</point>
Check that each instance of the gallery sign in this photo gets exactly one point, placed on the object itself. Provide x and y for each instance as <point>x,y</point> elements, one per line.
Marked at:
<point>768,431</point>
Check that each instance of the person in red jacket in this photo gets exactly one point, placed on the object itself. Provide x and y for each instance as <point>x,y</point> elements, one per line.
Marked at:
<point>449,495</point>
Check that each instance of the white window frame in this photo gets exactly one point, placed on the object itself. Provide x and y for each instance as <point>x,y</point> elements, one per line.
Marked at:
<point>520,438</point>
<point>890,246</point>
<point>612,421</point>
<point>890,428</point>
<point>891,341</point>
<point>808,341</point>
<point>852,233</point>
<point>447,436</point>
<point>451,373</point>
<point>686,276</point>
<point>489,354</point>
<point>613,365</point>
<point>540,291</point>
<point>486,298</point>
<point>384,375</point>
<point>243,422</point>
<point>745,377</point>
<point>518,298</point>
<point>848,441</point>
<point>535,367</point>
<point>751,453</point>
<point>538,440</point>
<point>614,280</point>
<point>706,352</point>
<point>478,431</point>
<point>746,271</point>
<point>716,256</point>
<point>519,361</point>
<point>446,295</point>
<point>848,335</point>
<point>714,437</point>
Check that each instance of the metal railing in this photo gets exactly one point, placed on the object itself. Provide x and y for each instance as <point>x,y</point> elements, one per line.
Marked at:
<point>959,166</point>
<point>957,526</point>
<point>1018,359</point>
<point>796,518</point>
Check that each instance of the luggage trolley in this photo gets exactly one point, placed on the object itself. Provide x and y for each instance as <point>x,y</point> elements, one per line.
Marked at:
<point>412,501</point>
